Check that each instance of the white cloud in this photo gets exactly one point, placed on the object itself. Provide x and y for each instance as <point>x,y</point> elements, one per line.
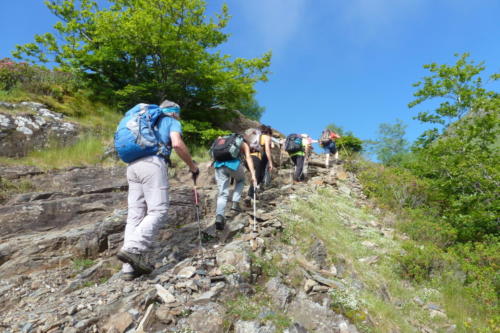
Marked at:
<point>369,20</point>
<point>274,21</point>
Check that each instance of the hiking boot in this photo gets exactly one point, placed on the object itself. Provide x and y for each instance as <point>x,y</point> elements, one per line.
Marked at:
<point>247,202</point>
<point>219,222</point>
<point>129,276</point>
<point>137,261</point>
<point>236,207</point>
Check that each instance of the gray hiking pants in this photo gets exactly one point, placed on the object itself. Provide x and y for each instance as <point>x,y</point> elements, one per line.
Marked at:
<point>222,176</point>
<point>147,204</point>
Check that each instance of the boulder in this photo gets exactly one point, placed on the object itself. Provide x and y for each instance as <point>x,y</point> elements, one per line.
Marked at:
<point>28,126</point>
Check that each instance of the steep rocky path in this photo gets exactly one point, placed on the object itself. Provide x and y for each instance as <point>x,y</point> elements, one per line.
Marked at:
<point>58,271</point>
<point>81,214</point>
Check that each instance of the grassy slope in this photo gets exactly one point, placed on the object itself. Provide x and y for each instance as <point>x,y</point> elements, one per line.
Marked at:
<point>98,122</point>
<point>353,233</point>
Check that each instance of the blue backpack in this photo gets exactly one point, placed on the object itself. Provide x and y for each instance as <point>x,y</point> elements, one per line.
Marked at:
<point>137,134</point>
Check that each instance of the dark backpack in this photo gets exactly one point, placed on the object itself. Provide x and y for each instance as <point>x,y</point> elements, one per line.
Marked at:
<point>326,138</point>
<point>293,143</point>
<point>226,148</point>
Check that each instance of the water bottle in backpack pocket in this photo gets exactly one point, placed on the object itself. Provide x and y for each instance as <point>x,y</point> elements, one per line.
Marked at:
<point>137,134</point>
<point>226,148</point>
<point>293,143</point>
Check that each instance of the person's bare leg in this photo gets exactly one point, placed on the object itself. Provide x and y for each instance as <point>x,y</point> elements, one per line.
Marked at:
<point>327,161</point>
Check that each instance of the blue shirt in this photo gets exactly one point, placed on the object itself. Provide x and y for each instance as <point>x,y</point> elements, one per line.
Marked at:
<point>232,164</point>
<point>166,126</point>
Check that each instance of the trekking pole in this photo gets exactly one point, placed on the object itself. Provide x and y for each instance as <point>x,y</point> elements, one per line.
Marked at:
<point>254,209</point>
<point>197,210</point>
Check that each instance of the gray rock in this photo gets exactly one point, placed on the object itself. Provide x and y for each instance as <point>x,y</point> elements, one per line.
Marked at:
<point>211,294</point>
<point>253,327</point>
<point>313,316</point>
<point>207,318</point>
<point>235,255</point>
<point>318,253</point>
<point>32,127</point>
<point>295,328</point>
<point>279,292</point>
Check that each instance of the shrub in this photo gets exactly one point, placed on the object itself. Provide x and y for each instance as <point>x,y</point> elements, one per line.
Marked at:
<point>350,143</point>
<point>421,262</point>
<point>422,228</point>
<point>35,79</point>
<point>200,133</point>
<point>481,262</point>
<point>394,187</point>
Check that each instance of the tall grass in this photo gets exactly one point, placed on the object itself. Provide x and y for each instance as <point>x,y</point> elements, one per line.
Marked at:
<point>88,150</point>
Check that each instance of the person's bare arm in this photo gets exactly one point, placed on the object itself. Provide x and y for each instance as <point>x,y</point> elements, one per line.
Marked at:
<point>248,158</point>
<point>267,147</point>
<point>181,150</point>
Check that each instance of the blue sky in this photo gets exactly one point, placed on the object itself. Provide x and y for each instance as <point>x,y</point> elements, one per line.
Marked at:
<point>348,62</point>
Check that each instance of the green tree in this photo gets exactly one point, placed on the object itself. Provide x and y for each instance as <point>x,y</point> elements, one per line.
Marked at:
<point>457,88</point>
<point>148,50</point>
<point>391,146</point>
<point>350,143</point>
<point>339,130</point>
<point>251,108</point>
<point>462,161</point>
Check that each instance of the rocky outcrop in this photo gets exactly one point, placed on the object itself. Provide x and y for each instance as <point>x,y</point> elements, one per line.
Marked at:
<point>28,126</point>
<point>81,213</point>
<point>192,289</point>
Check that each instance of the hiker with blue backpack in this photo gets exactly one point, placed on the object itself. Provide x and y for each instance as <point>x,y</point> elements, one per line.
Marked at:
<point>227,152</point>
<point>144,139</point>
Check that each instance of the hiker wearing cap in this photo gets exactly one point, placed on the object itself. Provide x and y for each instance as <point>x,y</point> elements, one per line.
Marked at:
<point>226,152</point>
<point>259,141</point>
<point>327,142</point>
<point>144,140</point>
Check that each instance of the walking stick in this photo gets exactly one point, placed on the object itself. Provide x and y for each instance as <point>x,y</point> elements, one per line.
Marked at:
<point>254,209</point>
<point>197,210</point>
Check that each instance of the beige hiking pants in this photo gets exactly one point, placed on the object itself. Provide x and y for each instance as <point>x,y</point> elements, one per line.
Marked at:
<point>147,204</point>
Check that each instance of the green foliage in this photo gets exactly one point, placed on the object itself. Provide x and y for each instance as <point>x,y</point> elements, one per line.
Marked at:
<point>391,146</point>
<point>259,307</point>
<point>80,264</point>
<point>200,133</point>
<point>462,170</point>
<point>427,229</point>
<point>35,79</point>
<point>459,85</point>
<point>339,130</point>
<point>147,51</point>
<point>251,108</point>
<point>481,263</point>
<point>268,268</point>
<point>394,188</point>
<point>461,162</point>
<point>349,144</point>
<point>421,262</point>
<point>10,187</point>
<point>88,150</point>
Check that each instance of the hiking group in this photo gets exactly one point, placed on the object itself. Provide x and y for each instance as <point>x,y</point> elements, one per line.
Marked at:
<point>144,140</point>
